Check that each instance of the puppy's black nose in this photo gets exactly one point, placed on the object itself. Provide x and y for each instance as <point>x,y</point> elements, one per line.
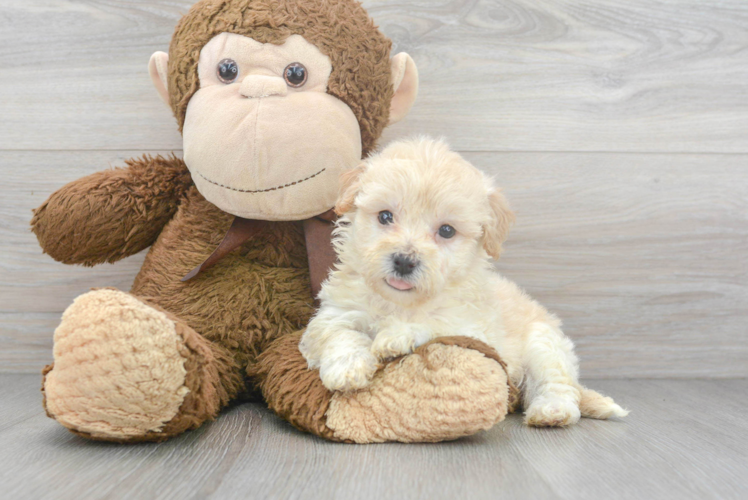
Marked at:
<point>403,265</point>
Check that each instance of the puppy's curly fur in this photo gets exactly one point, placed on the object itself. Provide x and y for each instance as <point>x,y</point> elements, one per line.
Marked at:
<point>419,228</point>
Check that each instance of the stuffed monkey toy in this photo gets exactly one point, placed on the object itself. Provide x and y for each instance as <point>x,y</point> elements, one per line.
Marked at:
<point>274,99</point>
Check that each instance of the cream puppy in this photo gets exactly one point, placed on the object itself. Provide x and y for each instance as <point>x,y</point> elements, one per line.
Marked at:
<point>418,231</point>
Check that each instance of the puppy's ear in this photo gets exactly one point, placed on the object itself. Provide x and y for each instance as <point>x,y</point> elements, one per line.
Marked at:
<point>350,184</point>
<point>495,232</point>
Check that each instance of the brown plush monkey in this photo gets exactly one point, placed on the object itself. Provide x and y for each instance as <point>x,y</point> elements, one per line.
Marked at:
<point>275,98</point>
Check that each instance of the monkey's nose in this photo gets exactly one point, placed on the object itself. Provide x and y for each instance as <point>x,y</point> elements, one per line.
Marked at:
<point>403,264</point>
<point>254,86</point>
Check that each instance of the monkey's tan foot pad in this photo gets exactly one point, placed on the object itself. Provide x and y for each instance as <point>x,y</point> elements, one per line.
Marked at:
<point>449,388</point>
<point>119,368</point>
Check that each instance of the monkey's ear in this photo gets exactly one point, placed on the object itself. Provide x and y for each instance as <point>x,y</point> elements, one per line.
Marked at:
<point>158,68</point>
<point>405,83</point>
<point>495,232</point>
<point>350,185</point>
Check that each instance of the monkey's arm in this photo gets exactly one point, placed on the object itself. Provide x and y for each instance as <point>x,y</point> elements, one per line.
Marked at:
<point>110,215</point>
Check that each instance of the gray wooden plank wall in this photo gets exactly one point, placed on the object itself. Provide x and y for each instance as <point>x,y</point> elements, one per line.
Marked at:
<point>618,128</point>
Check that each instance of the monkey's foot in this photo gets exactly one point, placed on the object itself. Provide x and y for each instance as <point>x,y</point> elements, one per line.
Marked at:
<point>448,388</point>
<point>123,371</point>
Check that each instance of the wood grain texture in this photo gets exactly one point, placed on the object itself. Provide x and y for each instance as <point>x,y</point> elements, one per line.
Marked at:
<point>684,439</point>
<point>642,255</point>
<point>550,75</point>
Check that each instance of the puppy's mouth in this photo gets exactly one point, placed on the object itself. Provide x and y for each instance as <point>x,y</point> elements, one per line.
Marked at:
<point>397,284</point>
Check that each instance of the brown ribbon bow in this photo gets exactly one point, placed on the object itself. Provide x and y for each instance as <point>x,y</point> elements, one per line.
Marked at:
<point>317,233</point>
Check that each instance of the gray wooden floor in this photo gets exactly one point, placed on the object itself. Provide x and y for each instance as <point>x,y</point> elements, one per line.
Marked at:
<point>684,439</point>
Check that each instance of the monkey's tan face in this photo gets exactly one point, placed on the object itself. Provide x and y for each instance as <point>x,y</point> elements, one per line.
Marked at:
<point>262,138</point>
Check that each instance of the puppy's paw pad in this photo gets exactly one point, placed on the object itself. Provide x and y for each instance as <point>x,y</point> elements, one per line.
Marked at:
<point>552,412</point>
<point>348,373</point>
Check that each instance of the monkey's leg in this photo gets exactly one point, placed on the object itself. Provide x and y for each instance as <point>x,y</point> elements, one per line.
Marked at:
<point>127,371</point>
<point>449,388</point>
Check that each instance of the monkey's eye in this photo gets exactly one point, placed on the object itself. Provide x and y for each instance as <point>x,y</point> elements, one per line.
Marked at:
<point>295,75</point>
<point>227,70</point>
<point>386,217</point>
<point>447,231</point>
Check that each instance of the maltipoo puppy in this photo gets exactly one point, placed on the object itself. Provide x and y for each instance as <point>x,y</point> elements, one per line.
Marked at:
<point>419,227</point>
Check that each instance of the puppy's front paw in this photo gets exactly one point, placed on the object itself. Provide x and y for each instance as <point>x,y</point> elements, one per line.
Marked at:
<point>348,372</point>
<point>398,340</point>
<point>550,411</point>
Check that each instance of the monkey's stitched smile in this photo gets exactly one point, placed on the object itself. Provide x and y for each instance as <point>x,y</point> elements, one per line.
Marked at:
<point>254,191</point>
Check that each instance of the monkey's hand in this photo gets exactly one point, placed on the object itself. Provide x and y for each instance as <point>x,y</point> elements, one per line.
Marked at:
<point>110,215</point>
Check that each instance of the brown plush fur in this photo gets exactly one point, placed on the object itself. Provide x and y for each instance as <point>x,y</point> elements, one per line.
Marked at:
<point>125,211</point>
<point>249,298</point>
<point>292,390</point>
<point>251,301</point>
<point>297,394</point>
<point>228,314</point>
<point>343,31</point>
<point>213,377</point>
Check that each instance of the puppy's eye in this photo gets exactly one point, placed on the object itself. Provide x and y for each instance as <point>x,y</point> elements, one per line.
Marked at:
<point>295,75</point>
<point>386,217</point>
<point>227,70</point>
<point>447,231</point>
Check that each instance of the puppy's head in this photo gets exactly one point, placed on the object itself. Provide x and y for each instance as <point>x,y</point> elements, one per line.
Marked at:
<point>416,218</point>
